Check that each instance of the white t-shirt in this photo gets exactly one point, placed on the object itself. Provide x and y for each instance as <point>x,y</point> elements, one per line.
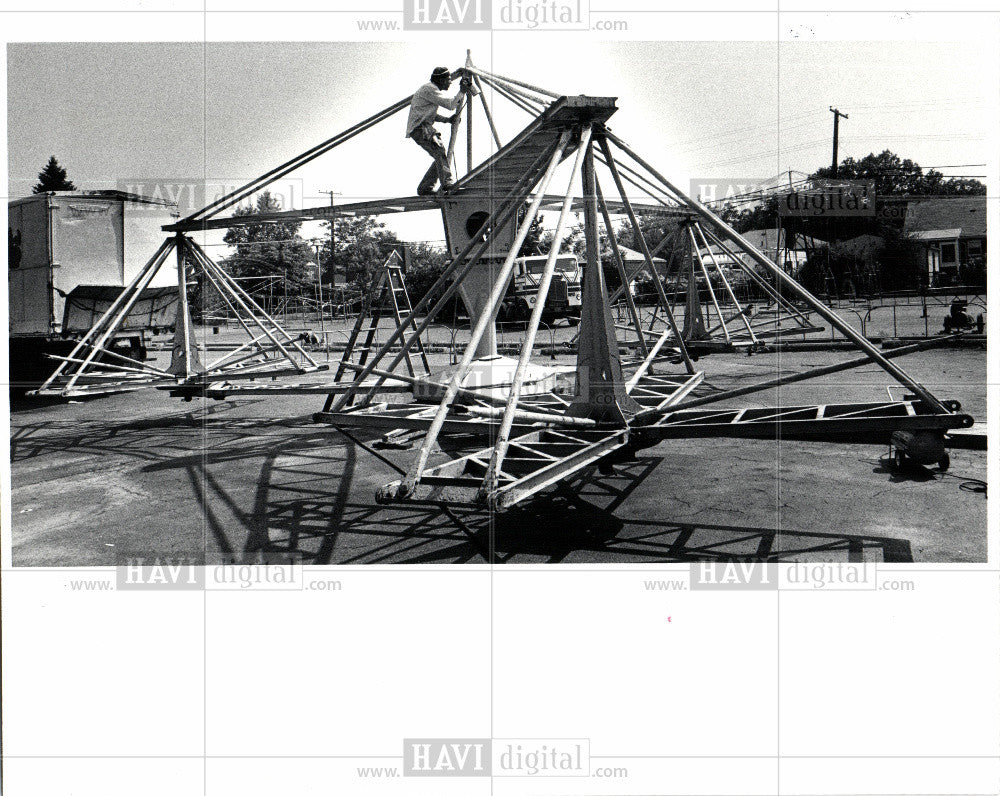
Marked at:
<point>425,103</point>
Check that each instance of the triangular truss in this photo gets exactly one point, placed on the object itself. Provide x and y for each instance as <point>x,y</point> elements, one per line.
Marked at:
<point>715,314</point>
<point>722,320</point>
<point>268,350</point>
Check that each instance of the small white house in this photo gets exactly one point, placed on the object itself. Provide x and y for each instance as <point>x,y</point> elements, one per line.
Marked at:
<point>952,234</point>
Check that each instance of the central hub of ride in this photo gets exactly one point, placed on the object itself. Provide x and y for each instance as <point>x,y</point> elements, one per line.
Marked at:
<point>510,175</point>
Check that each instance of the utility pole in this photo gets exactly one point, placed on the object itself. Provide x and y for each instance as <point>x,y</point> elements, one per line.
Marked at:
<point>333,266</point>
<point>836,131</point>
<point>284,279</point>
<point>319,276</point>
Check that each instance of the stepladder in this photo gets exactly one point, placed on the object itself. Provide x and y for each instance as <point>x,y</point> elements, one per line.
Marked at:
<point>388,299</point>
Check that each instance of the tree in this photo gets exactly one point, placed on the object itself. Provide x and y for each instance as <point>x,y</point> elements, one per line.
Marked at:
<point>425,263</point>
<point>361,246</point>
<point>267,249</point>
<point>53,178</point>
<point>653,227</point>
<point>573,242</point>
<point>533,240</point>
<point>894,176</point>
<point>759,215</point>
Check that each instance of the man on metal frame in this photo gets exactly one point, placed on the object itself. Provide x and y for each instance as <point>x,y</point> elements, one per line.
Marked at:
<point>420,125</point>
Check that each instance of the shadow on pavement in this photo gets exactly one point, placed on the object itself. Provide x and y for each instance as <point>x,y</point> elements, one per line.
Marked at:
<point>268,489</point>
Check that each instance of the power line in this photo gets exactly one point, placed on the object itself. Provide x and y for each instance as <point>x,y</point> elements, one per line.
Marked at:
<point>709,143</point>
<point>928,104</point>
<point>918,137</point>
<point>759,155</point>
<point>784,150</point>
<point>707,139</point>
<point>258,242</point>
<point>763,193</point>
<point>705,143</point>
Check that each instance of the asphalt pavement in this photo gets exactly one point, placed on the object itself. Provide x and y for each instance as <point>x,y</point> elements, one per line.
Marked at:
<point>255,479</point>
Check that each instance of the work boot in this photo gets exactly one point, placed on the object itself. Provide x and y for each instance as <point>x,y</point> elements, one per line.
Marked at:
<point>442,193</point>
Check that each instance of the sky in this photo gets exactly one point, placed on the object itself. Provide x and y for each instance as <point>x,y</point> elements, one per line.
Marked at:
<point>168,114</point>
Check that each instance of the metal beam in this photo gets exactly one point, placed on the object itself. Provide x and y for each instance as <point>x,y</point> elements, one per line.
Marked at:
<point>818,306</point>
<point>600,384</point>
<point>499,288</point>
<point>620,265</point>
<point>473,250</point>
<point>729,289</point>
<point>249,306</point>
<point>609,158</point>
<point>299,160</point>
<point>489,114</point>
<point>868,423</point>
<point>490,481</point>
<point>812,373</point>
<point>708,283</point>
<point>112,319</point>
<point>512,81</point>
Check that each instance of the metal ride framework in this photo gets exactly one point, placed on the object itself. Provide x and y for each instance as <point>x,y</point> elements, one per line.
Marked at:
<point>737,326</point>
<point>511,433</point>
<point>91,368</point>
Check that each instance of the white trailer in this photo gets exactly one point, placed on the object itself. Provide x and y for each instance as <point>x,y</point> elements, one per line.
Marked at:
<point>61,240</point>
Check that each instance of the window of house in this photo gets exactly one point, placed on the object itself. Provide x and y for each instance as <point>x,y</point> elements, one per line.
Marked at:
<point>947,253</point>
<point>975,247</point>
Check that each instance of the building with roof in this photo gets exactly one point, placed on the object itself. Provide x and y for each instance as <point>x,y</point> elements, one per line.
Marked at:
<point>635,260</point>
<point>951,231</point>
<point>789,251</point>
<point>635,267</point>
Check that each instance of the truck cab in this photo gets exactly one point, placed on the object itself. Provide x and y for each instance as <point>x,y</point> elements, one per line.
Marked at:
<point>564,296</point>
